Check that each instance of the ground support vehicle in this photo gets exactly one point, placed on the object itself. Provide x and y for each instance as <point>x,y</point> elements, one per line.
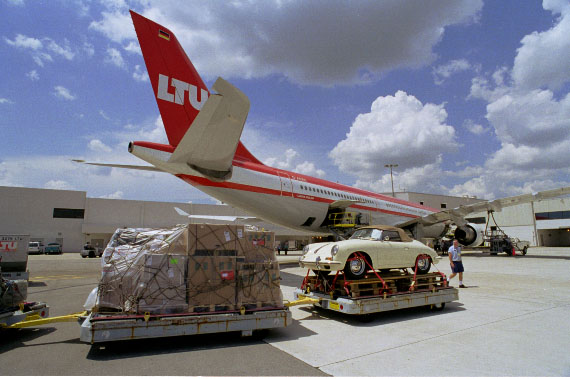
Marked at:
<point>14,256</point>
<point>382,291</point>
<point>96,327</point>
<point>91,252</point>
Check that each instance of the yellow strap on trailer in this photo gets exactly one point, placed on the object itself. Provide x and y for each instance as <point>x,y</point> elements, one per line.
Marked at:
<point>35,320</point>
<point>306,300</point>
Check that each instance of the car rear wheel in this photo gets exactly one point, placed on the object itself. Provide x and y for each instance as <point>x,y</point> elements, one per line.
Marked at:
<point>424,264</point>
<point>355,268</point>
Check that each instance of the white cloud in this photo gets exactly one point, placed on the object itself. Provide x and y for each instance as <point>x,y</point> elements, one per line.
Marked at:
<point>420,179</point>
<point>89,49</point>
<point>97,145</point>
<point>114,195</point>
<point>63,93</point>
<point>25,42</point>
<point>308,168</point>
<point>288,161</point>
<point>40,48</point>
<point>133,48</point>
<point>399,129</point>
<point>40,58</point>
<point>140,75</point>
<point>114,57</point>
<point>115,25</point>
<point>530,114</point>
<point>474,128</point>
<point>3,100</point>
<point>404,33</point>
<point>33,75</point>
<point>443,72</point>
<point>104,115</point>
<point>542,60</point>
<point>58,185</point>
<point>59,50</point>
<point>16,2</point>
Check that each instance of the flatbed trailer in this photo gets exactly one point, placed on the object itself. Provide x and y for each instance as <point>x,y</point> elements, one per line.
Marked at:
<point>98,328</point>
<point>25,312</point>
<point>397,290</point>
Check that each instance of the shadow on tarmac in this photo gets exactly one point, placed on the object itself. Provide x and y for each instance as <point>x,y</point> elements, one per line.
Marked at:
<point>380,318</point>
<point>291,280</point>
<point>16,338</point>
<point>37,284</point>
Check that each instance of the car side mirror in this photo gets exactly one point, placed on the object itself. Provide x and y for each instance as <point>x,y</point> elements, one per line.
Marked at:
<point>387,238</point>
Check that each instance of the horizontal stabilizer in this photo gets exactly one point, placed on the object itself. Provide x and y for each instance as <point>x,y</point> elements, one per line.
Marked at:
<point>210,143</point>
<point>132,167</point>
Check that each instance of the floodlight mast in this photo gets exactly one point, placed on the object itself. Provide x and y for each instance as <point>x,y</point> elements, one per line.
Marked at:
<point>391,165</point>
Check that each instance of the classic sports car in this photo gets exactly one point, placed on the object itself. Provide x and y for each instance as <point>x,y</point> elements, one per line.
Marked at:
<point>384,247</point>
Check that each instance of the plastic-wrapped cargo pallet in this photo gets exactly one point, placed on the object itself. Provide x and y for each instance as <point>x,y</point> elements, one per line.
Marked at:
<point>192,268</point>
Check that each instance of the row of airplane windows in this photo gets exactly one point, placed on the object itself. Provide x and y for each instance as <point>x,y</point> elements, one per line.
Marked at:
<point>338,194</point>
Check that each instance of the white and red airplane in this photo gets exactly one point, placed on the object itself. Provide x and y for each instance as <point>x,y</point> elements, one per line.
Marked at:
<point>205,150</point>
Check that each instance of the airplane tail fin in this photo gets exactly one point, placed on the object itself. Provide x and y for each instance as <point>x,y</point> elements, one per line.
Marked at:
<point>179,90</point>
<point>203,128</point>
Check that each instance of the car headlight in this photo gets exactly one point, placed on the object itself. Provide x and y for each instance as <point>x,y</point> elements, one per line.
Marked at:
<point>306,249</point>
<point>334,250</point>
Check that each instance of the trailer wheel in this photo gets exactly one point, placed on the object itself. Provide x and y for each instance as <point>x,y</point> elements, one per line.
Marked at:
<point>424,264</point>
<point>437,307</point>
<point>524,250</point>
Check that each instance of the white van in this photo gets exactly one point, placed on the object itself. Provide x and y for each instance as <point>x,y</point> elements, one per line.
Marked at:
<point>35,247</point>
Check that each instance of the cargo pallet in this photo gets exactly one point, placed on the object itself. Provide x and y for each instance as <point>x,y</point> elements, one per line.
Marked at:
<point>98,328</point>
<point>397,290</point>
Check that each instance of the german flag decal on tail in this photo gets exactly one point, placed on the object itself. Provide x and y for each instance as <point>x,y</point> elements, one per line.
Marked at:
<point>163,34</point>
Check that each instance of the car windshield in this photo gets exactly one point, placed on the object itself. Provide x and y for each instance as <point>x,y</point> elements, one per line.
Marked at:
<point>53,244</point>
<point>34,244</point>
<point>369,233</point>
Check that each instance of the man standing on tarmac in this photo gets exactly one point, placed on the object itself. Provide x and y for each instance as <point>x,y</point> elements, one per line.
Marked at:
<point>455,262</point>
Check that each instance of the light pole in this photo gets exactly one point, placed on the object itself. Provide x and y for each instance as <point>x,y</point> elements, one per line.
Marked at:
<point>391,165</point>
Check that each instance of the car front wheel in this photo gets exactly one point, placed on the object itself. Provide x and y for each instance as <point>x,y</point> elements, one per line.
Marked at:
<point>355,268</point>
<point>424,264</point>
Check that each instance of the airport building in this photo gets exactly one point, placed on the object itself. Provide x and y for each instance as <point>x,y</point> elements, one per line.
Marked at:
<point>71,218</point>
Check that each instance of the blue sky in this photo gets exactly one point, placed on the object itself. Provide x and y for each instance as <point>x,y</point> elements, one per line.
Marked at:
<point>467,97</point>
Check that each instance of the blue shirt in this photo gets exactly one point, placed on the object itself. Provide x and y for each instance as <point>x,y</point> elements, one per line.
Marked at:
<point>455,253</point>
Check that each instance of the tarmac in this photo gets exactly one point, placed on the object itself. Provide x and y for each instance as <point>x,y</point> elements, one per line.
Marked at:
<point>512,320</point>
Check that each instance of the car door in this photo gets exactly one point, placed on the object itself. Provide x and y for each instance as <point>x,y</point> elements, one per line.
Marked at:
<point>399,252</point>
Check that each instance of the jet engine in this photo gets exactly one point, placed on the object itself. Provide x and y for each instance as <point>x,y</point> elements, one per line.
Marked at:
<point>469,235</point>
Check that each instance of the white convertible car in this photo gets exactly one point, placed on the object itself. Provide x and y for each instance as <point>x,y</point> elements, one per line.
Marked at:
<point>384,247</point>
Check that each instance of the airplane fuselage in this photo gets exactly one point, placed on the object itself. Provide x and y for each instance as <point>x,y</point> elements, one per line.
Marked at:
<point>299,201</point>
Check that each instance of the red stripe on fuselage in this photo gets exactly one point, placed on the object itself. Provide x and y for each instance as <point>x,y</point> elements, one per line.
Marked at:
<point>201,181</point>
<point>325,183</point>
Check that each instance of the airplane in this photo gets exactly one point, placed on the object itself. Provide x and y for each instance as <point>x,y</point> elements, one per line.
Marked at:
<point>204,129</point>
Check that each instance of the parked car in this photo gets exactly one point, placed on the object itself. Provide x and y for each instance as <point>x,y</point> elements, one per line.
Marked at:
<point>35,247</point>
<point>91,251</point>
<point>383,247</point>
<point>53,248</point>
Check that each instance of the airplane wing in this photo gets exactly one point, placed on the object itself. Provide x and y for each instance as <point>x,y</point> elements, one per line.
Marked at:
<point>132,167</point>
<point>457,215</point>
<point>218,218</point>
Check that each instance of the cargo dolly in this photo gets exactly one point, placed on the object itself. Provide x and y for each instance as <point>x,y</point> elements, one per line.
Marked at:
<point>381,291</point>
<point>97,328</point>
